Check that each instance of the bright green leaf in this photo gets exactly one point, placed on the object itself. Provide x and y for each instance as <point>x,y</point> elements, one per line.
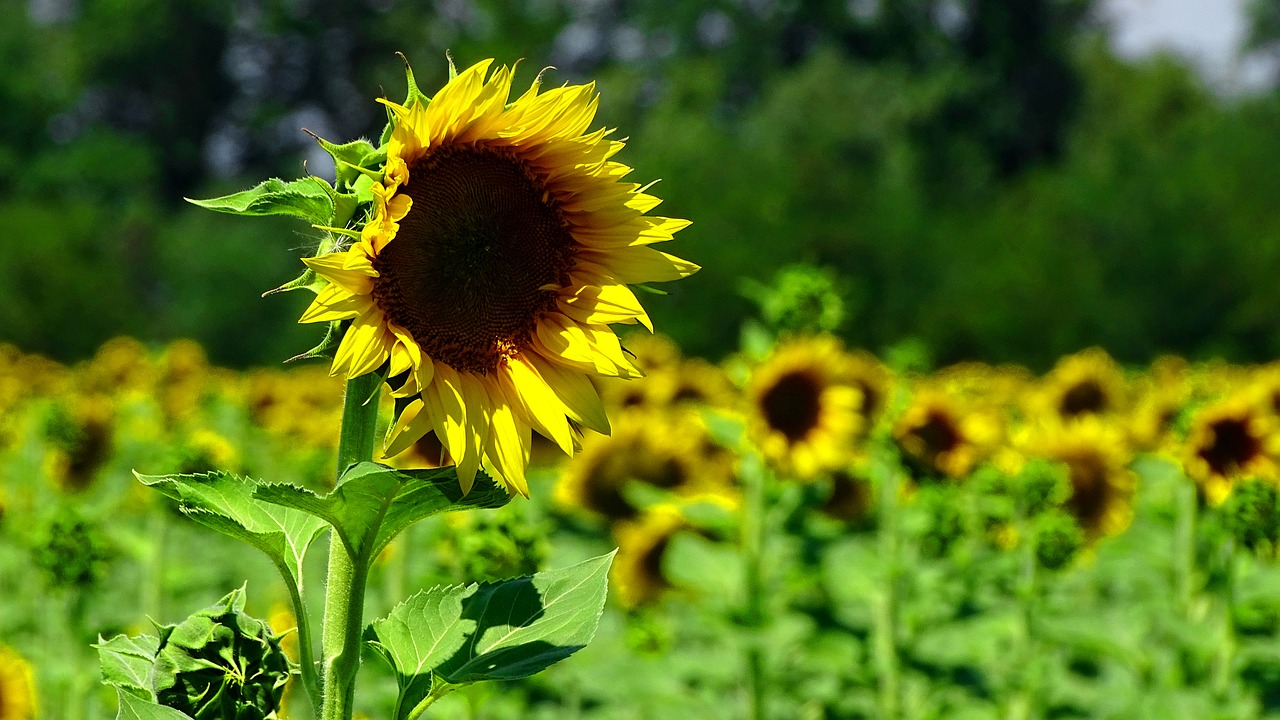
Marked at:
<point>373,503</point>
<point>419,635</point>
<point>491,631</point>
<point>135,708</point>
<point>226,503</point>
<point>126,662</point>
<point>303,198</point>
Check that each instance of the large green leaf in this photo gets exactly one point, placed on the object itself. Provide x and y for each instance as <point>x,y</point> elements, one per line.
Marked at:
<point>373,503</point>
<point>304,198</point>
<point>226,503</point>
<point>135,708</point>
<point>126,662</point>
<point>491,631</point>
<point>419,635</point>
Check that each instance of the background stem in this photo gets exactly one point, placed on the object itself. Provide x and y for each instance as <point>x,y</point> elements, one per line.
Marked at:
<point>752,548</point>
<point>886,629</point>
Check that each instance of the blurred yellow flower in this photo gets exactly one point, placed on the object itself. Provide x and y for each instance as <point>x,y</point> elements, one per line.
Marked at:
<point>500,248</point>
<point>1097,458</point>
<point>642,544</point>
<point>940,436</point>
<point>667,451</point>
<point>1229,440</point>
<point>17,687</point>
<point>805,407</point>
<point>1087,383</point>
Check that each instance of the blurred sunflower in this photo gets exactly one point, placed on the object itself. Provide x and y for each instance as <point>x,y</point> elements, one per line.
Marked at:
<point>17,688</point>
<point>1228,441</point>
<point>942,437</point>
<point>1161,394</point>
<point>805,407</point>
<point>669,452</point>
<point>1087,383</point>
<point>499,248</point>
<point>642,545</point>
<point>851,499</point>
<point>1097,459</point>
<point>79,438</point>
<point>874,380</point>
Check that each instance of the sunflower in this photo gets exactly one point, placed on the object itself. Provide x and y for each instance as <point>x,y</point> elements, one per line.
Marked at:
<point>1080,385</point>
<point>1097,459</point>
<point>941,437</point>
<point>498,250</point>
<point>805,407</point>
<point>17,689</point>
<point>1228,441</point>
<point>642,546</point>
<point>80,440</point>
<point>670,452</point>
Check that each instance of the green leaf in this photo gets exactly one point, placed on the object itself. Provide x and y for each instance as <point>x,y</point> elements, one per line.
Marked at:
<point>303,198</point>
<point>136,708</point>
<point>226,503</point>
<point>126,662</point>
<point>399,639</point>
<point>373,503</point>
<point>491,631</point>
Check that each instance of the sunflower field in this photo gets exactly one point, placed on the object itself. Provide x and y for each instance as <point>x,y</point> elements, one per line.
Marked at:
<point>803,532</point>
<point>723,359</point>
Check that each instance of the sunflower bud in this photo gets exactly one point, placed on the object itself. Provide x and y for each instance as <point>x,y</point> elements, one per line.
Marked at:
<point>221,664</point>
<point>1058,539</point>
<point>1251,514</point>
<point>1041,485</point>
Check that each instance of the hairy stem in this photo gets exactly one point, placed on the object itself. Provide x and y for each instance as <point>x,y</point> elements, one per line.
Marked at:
<point>345,589</point>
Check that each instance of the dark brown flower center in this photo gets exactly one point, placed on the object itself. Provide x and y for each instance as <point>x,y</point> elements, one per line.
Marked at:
<point>792,406</point>
<point>1233,445</point>
<point>1091,489</point>
<point>1085,397</point>
<point>938,434</point>
<point>477,258</point>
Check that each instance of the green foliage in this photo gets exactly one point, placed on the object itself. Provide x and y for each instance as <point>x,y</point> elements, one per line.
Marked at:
<point>373,503</point>
<point>226,503</point>
<point>1251,514</point>
<point>1058,538</point>
<point>305,198</point>
<point>491,631</point>
<point>72,550</point>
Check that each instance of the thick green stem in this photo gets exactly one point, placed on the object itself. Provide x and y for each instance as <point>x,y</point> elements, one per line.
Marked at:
<point>886,610</point>
<point>1227,649</point>
<point>753,508</point>
<point>344,591</point>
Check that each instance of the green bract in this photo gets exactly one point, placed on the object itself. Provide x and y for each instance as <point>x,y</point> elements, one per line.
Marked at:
<point>221,664</point>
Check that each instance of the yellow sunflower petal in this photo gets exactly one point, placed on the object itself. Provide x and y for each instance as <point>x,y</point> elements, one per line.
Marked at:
<point>334,303</point>
<point>357,280</point>
<point>541,406</point>
<point>479,414</point>
<point>364,347</point>
<point>575,391</point>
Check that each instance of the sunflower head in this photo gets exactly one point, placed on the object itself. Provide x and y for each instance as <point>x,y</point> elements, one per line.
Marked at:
<point>941,437</point>
<point>17,687</point>
<point>1229,440</point>
<point>1097,461</point>
<point>805,407</point>
<point>1087,383</point>
<point>477,259</point>
<point>670,453</point>
<point>642,545</point>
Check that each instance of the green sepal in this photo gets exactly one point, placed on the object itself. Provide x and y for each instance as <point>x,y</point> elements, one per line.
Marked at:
<point>125,663</point>
<point>373,503</point>
<point>133,707</point>
<point>308,279</point>
<point>328,344</point>
<point>301,198</point>
<point>226,503</point>
<point>449,636</point>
